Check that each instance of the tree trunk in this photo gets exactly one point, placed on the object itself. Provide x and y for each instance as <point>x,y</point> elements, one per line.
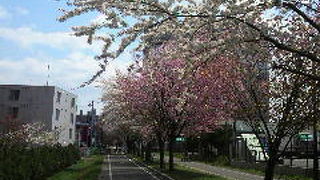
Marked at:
<point>171,143</point>
<point>148,152</point>
<point>142,147</point>
<point>186,154</point>
<point>141,152</point>
<point>137,149</point>
<point>161,151</point>
<point>269,171</point>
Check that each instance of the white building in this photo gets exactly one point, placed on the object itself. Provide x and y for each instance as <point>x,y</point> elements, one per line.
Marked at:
<point>50,105</point>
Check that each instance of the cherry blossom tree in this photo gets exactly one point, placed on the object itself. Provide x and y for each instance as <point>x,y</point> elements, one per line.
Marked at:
<point>283,28</point>
<point>285,33</point>
<point>277,105</point>
<point>161,98</point>
<point>161,95</point>
<point>30,134</point>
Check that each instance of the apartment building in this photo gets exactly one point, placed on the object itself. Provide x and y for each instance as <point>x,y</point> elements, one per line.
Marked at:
<point>54,107</point>
<point>87,131</point>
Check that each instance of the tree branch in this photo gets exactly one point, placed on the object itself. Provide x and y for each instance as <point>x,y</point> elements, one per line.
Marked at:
<point>302,14</point>
<point>277,43</point>
<point>295,71</point>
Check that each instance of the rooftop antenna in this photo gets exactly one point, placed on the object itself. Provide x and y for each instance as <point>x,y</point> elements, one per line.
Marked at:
<point>48,76</point>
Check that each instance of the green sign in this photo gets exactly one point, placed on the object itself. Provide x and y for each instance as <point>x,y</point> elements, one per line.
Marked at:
<point>180,139</point>
<point>305,137</point>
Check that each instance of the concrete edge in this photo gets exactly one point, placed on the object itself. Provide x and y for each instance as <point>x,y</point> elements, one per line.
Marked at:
<point>152,169</point>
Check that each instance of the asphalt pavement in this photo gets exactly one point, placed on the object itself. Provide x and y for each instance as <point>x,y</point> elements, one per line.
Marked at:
<point>120,167</point>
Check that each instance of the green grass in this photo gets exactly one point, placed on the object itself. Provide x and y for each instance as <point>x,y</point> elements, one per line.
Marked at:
<point>175,154</point>
<point>86,169</point>
<point>261,173</point>
<point>184,173</point>
<point>222,163</point>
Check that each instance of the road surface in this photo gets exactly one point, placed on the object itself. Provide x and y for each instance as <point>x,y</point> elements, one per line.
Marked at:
<point>120,167</point>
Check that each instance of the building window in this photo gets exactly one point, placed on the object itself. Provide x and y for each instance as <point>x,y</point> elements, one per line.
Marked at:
<point>73,102</point>
<point>13,112</point>
<point>71,118</point>
<point>56,132</point>
<point>57,114</point>
<point>70,133</point>
<point>14,95</point>
<point>58,97</point>
<point>25,105</point>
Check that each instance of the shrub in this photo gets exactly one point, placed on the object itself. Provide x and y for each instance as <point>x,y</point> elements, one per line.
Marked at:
<point>20,161</point>
<point>221,161</point>
<point>95,151</point>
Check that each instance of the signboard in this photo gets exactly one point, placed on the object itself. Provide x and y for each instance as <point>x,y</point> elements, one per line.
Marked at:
<point>305,137</point>
<point>180,139</point>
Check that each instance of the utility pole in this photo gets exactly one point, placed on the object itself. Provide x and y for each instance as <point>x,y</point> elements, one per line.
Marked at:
<point>315,151</point>
<point>234,144</point>
<point>315,136</point>
<point>315,122</point>
<point>92,123</point>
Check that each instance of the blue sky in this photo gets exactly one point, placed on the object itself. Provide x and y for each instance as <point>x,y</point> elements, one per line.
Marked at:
<point>31,38</point>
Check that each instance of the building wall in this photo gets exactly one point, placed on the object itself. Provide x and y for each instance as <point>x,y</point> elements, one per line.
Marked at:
<point>66,122</point>
<point>34,104</point>
<point>40,104</point>
<point>87,131</point>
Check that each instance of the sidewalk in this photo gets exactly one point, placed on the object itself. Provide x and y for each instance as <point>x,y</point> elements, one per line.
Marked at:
<point>223,172</point>
<point>215,170</point>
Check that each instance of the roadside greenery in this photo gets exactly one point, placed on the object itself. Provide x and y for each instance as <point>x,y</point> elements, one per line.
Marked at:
<point>219,162</point>
<point>86,169</point>
<point>261,173</point>
<point>184,173</point>
<point>34,162</point>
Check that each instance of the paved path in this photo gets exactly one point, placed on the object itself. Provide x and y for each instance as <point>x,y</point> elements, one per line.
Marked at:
<point>223,172</point>
<point>302,163</point>
<point>215,170</point>
<point>119,167</point>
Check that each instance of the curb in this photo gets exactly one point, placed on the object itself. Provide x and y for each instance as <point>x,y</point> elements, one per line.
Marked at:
<point>152,170</point>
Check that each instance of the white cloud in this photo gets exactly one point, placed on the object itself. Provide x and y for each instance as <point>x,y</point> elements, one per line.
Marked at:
<point>70,71</point>
<point>4,14</point>
<point>67,73</point>
<point>28,37</point>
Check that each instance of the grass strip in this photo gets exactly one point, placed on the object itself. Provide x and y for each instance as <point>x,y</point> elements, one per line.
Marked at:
<point>260,172</point>
<point>223,164</point>
<point>86,169</point>
<point>185,173</point>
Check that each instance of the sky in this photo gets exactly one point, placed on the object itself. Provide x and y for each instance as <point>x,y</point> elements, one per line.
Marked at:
<point>31,39</point>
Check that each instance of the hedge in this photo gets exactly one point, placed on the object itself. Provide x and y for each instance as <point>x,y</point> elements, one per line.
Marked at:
<point>20,162</point>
